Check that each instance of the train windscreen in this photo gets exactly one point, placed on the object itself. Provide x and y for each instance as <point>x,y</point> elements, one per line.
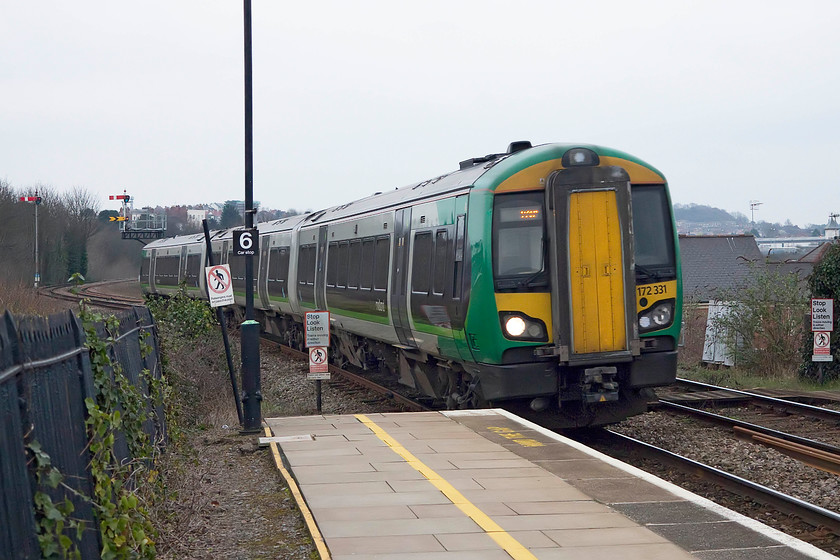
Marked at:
<point>518,230</point>
<point>653,230</point>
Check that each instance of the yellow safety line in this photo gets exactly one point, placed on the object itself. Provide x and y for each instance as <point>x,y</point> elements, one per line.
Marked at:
<point>323,551</point>
<point>502,538</point>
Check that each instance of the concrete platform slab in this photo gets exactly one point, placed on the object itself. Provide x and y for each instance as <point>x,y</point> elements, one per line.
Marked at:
<point>488,485</point>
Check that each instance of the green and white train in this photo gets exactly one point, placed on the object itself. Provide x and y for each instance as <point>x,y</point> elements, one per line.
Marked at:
<point>540,279</point>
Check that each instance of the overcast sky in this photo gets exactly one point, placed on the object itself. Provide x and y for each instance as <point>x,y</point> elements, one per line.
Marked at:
<point>732,100</point>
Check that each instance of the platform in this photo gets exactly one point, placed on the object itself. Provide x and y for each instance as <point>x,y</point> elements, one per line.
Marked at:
<point>488,485</point>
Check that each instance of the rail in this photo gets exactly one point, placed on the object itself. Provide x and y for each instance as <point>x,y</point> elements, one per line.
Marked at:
<point>802,408</point>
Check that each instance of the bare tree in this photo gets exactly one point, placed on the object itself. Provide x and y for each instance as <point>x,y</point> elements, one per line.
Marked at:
<point>82,209</point>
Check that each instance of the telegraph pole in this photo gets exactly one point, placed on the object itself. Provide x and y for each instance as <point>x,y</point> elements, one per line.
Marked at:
<point>252,395</point>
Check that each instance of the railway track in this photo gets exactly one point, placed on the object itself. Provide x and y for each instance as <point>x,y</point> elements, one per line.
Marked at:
<point>99,294</point>
<point>818,454</point>
<point>704,394</point>
<point>386,393</point>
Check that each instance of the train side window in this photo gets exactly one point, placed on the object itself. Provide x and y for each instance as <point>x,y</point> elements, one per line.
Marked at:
<point>343,254</point>
<point>367,264</point>
<point>166,271</point>
<point>421,262</point>
<point>306,265</point>
<point>381,263</point>
<point>441,250</point>
<point>354,264</point>
<point>332,264</point>
<point>217,257</point>
<point>237,271</point>
<point>310,265</point>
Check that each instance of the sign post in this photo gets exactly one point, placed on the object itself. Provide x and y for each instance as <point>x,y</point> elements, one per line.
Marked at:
<point>822,323</point>
<point>318,341</point>
<point>220,316</point>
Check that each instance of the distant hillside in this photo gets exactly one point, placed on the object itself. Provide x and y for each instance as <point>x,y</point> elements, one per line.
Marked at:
<point>701,213</point>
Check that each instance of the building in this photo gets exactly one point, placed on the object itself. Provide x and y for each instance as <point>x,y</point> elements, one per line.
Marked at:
<point>716,263</point>
<point>194,217</point>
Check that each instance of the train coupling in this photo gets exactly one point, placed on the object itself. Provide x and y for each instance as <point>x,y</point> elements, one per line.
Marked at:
<point>599,384</point>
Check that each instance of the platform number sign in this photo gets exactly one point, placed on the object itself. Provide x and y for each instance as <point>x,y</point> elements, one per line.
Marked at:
<point>246,242</point>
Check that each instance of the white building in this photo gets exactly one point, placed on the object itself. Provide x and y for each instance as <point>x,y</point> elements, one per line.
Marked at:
<point>195,216</point>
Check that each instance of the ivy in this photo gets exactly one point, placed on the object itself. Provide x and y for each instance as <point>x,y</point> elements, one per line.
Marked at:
<point>824,282</point>
<point>53,519</point>
<point>119,408</point>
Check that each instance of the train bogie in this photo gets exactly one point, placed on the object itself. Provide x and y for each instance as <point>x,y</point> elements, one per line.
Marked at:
<point>542,278</point>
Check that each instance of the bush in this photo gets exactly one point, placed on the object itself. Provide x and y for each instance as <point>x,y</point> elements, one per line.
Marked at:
<point>764,327</point>
<point>187,317</point>
<point>824,282</point>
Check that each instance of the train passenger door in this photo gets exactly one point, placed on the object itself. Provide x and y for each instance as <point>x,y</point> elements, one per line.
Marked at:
<point>262,275</point>
<point>182,272</point>
<point>152,258</point>
<point>591,256</point>
<point>399,275</point>
<point>320,267</point>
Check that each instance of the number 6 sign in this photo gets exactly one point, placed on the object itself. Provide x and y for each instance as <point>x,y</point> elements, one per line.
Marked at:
<point>246,242</point>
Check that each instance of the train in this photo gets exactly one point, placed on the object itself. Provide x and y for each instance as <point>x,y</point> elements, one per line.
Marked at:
<point>544,279</point>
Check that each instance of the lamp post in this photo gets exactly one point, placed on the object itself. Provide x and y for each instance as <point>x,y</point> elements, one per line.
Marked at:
<point>37,201</point>
<point>250,330</point>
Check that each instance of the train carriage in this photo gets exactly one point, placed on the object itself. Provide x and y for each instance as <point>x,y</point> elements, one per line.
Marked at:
<point>542,278</point>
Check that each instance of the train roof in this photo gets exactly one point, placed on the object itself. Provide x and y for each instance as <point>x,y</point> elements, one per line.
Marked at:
<point>487,171</point>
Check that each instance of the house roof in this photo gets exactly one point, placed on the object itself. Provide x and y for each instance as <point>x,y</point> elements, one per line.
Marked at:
<point>712,263</point>
<point>816,254</point>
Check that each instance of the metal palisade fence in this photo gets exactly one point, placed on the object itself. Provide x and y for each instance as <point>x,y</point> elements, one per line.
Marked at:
<point>45,377</point>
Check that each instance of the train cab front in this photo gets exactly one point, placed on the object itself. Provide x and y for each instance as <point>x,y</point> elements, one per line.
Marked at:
<point>588,268</point>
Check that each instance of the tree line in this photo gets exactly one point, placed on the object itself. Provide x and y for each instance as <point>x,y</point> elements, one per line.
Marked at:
<point>69,224</point>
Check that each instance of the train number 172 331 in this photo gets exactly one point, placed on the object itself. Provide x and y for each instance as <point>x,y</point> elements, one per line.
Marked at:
<point>652,290</point>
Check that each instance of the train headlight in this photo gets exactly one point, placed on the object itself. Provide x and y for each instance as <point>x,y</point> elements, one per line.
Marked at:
<point>580,157</point>
<point>519,326</point>
<point>657,317</point>
<point>515,326</point>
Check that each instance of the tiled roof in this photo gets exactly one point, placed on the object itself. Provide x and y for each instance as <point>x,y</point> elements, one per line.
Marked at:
<point>716,262</point>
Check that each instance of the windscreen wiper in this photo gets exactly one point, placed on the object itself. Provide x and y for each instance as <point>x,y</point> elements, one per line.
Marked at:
<point>650,273</point>
<point>527,282</point>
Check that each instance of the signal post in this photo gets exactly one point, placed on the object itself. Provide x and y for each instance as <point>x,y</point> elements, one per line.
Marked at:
<point>36,200</point>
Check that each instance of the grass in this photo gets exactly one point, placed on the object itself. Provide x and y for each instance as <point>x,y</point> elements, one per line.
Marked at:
<point>23,299</point>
